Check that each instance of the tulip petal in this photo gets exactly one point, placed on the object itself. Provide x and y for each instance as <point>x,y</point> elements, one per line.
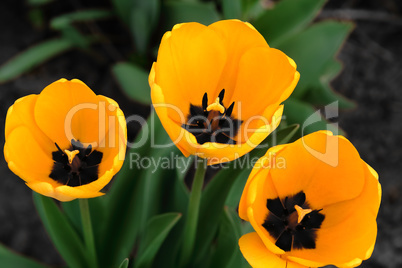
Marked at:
<point>21,113</point>
<point>26,157</point>
<point>68,110</point>
<point>265,76</point>
<point>113,147</point>
<point>66,192</point>
<point>238,38</point>
<point>322,182</point>
<point>255,252</point>
<point>190,62</point>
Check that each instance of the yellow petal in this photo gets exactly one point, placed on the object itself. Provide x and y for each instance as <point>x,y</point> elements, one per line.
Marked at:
<point>255,252</point>
<point>63,193</point>
<point>238,37</point>
<point>243,204</point>
<point>265,77</point>
<point>257,210</point>
<point>26,158</point>
<point>68,110</point>
<point>21,113</point>
<point>174,129</point>
<point>113,147</point>
<point>309,168</point>
<point>190,62</point>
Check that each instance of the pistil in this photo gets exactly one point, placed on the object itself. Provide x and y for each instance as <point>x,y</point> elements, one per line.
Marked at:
<point>216,106</point>
<point>71,155</point>
<point>301,212</point>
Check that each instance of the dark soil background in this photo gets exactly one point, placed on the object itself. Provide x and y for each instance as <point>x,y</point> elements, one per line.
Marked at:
<point>372,78</point>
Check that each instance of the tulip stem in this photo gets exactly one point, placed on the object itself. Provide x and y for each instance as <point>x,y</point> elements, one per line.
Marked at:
<point>190,228</point>
<point>88,232</point>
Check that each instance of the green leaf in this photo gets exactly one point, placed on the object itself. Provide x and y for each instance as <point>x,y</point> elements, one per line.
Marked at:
<point>97,208</point>
<point>232,9</point>
<point>156,232</point>
<point>72,211</point>
<point>226,252</point>
<point>32,57</point>
<point>322,93</point>
<point>69,32</point>
<point>63,235</point>
<point>176,198</point>
<point>177,12</point>
<point>134,194</point>
<point>123,9</point>
<point>310,119</point>
<point>133,80</point>
<point>68,19</point>
<point>313,49</point>
<point>287,18</point>
<point>212,203</point>
<point>36,17</point>
<point>10,259</point>
<point>124,264</point>
<point>143,20</point>
<point>252,9</point>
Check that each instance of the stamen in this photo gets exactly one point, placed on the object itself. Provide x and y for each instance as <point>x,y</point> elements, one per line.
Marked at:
<point>71,155</point>
<point>221,95</point>
<point>205,101</point>
<point>58,148</point>
<point>216,106</point>
<point>301,212</point>
<point>230,109</point>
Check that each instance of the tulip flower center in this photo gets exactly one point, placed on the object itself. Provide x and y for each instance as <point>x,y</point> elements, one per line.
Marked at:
<point>213,122</point>
<point>75,166</point>
<point>292,223</point>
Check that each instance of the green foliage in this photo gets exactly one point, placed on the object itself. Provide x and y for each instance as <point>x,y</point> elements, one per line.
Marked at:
<point>66,20</point>
<point>156,232</point>
<point>287,19</point>
<point>33,57</point>
<point>124,263</point>
<point>11,259</point>
<point>226,252</point>
<point>298,111</point>
<point>133,80</point>
<point>178,12</point>
<point>63,235</point>
<point>143,21</point>
<point>232,9</point>
<point>36,17</point>
<point>316,48</point>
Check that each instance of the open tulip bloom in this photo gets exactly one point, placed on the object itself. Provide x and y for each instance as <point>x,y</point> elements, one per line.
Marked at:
<point>311,203</point>
<point>218,89</point>
<point>66,142</point>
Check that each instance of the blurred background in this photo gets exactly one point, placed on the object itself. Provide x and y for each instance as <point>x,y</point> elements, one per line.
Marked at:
<point>371,78</point>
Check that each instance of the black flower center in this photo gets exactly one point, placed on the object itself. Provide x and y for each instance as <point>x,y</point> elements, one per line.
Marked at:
<point>212,123</point>
<point>287,223</point>
<point>76,166</point>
